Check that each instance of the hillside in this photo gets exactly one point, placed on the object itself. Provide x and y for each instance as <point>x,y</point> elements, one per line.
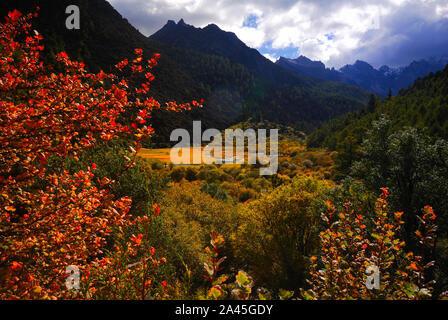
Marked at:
<point>424,105</point>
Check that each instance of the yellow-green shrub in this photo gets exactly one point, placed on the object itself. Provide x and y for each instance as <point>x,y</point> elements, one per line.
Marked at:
<point>278,231</point>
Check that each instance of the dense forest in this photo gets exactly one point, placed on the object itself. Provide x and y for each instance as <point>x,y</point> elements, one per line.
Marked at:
<point>423,106</point>
<point>362,181</point>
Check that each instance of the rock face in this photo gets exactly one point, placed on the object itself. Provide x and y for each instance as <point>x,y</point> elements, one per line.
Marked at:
<point>364,75</point>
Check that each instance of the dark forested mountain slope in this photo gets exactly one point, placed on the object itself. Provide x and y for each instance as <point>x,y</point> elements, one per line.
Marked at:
<point>424,105</point>
<point>232,85</point>
<point>212,40</point>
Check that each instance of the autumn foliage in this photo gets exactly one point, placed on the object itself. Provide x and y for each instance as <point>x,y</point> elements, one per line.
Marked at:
<point>351,243</point>
<point>50,219</point>
<point>220,288</point>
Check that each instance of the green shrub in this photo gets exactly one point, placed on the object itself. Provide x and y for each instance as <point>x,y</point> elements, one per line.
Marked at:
<point>156,164</point>
<point>191,173</point>
<point>177,174</point>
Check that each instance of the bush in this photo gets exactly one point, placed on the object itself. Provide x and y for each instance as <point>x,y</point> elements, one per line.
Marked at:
<point>177,174</point>
<point>278,231</point>
<point>246,194</point>
<point>308,163</point>
<point>349,248</point>
<point>213,190</point>
<point>156,164</point>
<point>191,173</point>
<point>189,215</point>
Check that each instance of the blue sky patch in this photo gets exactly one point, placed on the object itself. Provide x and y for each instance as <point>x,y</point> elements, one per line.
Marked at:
<point>330,36</point>
<point>251,21</point>
<point>288,52</point>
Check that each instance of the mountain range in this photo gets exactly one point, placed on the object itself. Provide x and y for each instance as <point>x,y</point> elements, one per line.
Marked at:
<point>212,40</point>
<point>235,81</point>
<point>362,74</point>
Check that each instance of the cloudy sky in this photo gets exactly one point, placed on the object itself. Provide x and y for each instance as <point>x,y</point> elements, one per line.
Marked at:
<point>337,32</point>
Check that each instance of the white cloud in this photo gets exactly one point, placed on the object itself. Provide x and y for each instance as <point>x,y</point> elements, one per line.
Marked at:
<point>442,11</point>
<point>252,37</point>
<point>319,49</point>
<point>270,57</point>
<point>376,31</point>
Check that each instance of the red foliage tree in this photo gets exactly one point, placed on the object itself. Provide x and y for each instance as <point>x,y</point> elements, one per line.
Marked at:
<point>49,221</point>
